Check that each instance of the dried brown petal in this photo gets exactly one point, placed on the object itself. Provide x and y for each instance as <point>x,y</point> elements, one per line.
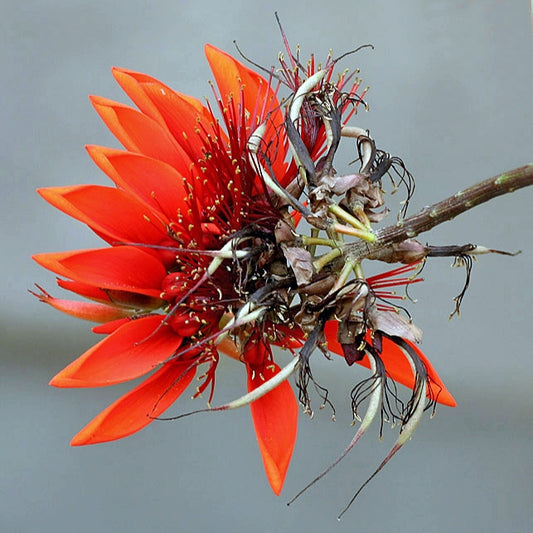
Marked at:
<point>301,263</point>
<point>394,324</point>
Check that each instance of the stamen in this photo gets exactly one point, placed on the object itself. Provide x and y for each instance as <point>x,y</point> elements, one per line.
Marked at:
<point>305,88</point>
<point>376,398</point>
<point>253,146</point>
<point>411,416</point>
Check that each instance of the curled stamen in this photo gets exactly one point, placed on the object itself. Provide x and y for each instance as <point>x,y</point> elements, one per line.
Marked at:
<point>412,414</point>
<point>254,142</point>
<point>354,51</point>
<point>376,397</point>
<point>305,374</point>
<point>305,88</point>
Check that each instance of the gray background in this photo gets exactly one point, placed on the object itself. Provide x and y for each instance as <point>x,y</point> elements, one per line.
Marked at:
<point>451,94</point>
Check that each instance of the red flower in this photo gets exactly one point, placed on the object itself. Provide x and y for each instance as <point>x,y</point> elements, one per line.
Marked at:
<point>193,257</point>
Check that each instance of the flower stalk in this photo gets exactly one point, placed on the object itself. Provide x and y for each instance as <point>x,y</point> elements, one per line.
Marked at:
<point>442,211</point>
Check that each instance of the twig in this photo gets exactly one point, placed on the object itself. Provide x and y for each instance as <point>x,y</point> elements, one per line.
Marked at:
<point>443,211</point>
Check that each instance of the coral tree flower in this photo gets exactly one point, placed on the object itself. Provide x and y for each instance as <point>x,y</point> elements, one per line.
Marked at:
<point>193,266</point>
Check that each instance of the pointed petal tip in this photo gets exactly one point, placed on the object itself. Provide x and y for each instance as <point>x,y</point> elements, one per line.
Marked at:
<point>275,475</point>
<point>446,399</point>
<point>119,72</point>
<point>275,418</point>
<point>276,483</point>
<point>87,437</point>
<point>41,191</point>
<point>49,194</point>
<point>139,407</point>
<point>275,472</point>
<point>98,151</point>
<point>208,48</point>
<point>80,439</point>
<point>211,51</point>
<point>61,381</point>
<point>103,102</point>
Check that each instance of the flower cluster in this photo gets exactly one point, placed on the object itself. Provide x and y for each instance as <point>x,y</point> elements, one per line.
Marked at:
<point>224,233</point>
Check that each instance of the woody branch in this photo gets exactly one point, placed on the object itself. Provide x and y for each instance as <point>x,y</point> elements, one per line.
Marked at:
<point>440,212</point>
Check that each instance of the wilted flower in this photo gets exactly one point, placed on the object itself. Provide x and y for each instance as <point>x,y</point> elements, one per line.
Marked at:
<point>203,254</point>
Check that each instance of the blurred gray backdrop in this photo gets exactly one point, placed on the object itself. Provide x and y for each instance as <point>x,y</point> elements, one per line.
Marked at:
<point>451,94</point>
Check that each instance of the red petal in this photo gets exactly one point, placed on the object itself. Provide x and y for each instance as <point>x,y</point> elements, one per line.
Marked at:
<point>397,365</point>
<point>139,407</point>
<point>110,327</point>
<point>111,212</point>
<point>84,310</point>
<point>229,348</point>
<point>438,391</point>
<point>231,75</point>
<point>275,418</point>
<point>113,297</point>
<point>124,268</point>
<point>87,291</point>
<point>261,103</point>
<point>140,133</point>
<point>131,351</point>
<point>181,114</point>
<point>154,182</point>
<point>132,84</point>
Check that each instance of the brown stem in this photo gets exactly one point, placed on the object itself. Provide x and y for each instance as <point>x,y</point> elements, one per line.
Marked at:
<point>443,211</point>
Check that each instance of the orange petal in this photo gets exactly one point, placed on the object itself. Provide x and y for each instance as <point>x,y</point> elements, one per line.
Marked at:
<point>132,84</point>
<point>87,291</point>
<point>132,350</point>
<point>260,100</point>
<point>124,268</point>
<point>228,347</point>
<point>111,212</point>
<point>139,407</point>
<point>154,182</point>
<point>135,85</point>
<point>275,418</point>
<point>231,75</point>
<point>140,133</point>
<point>109,327</point>
<point>113,297</point>
<point>437,389</point>
<point>83,310</point>
<point>397,365</point>
<point>179,113</point>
